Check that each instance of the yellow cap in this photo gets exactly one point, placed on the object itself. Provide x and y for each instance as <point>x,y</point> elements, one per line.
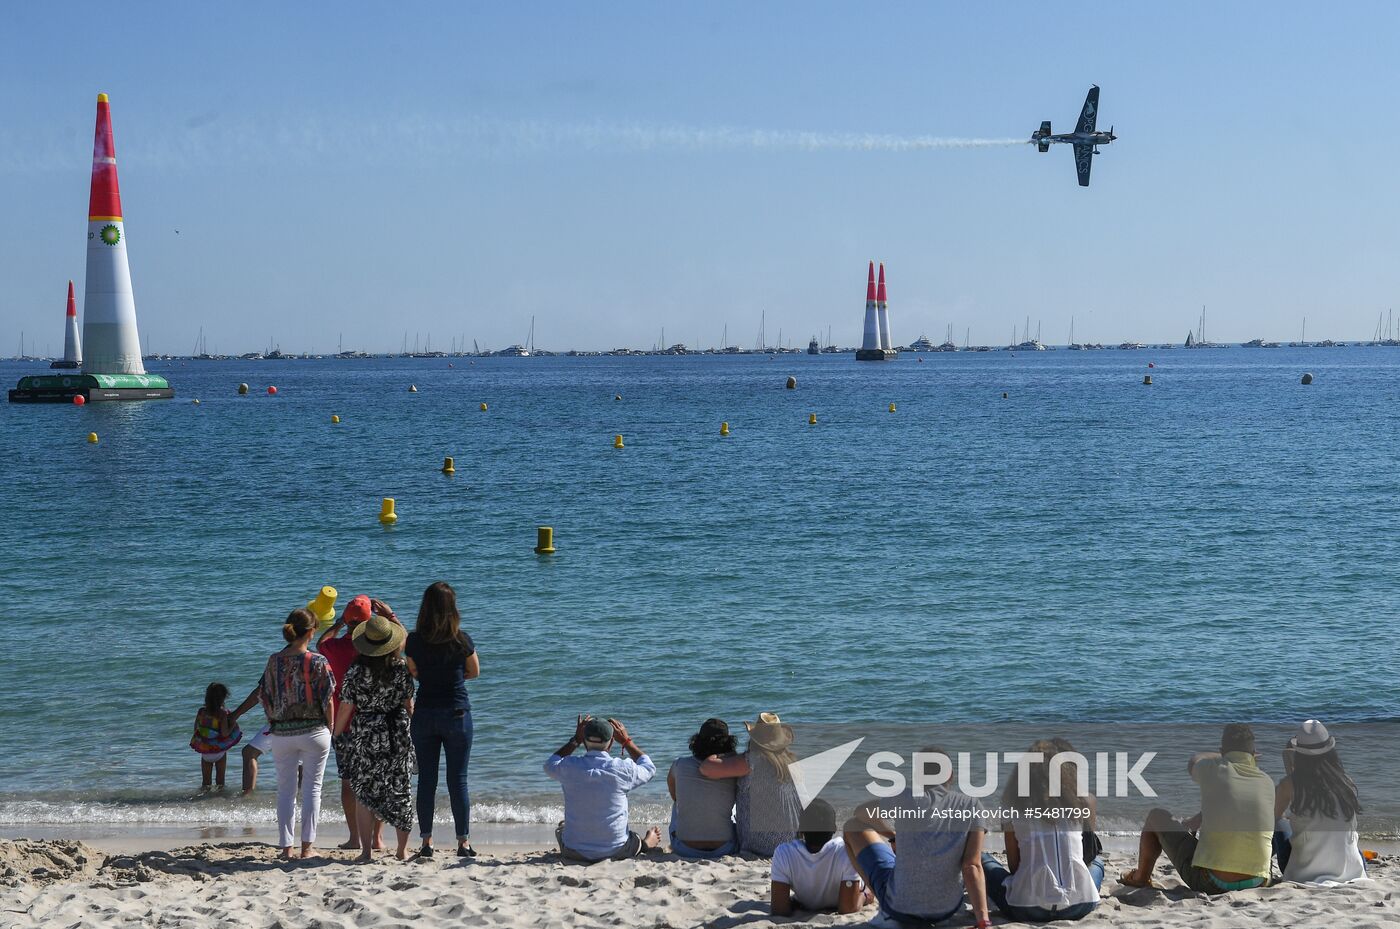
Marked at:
<point>101,98</point>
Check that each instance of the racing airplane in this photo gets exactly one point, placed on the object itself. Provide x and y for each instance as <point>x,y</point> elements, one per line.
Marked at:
<point>1085,140</point>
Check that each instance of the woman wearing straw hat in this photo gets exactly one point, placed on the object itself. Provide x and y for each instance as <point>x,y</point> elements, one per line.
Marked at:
<point>766,807</point>
<point>376,702</point>
<point>1318,803</point>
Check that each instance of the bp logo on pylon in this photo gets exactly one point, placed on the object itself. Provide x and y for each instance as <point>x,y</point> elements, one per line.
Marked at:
<point>111,234</point>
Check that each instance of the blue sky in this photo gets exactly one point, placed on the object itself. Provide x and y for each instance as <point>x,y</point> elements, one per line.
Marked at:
<point>359,171</point>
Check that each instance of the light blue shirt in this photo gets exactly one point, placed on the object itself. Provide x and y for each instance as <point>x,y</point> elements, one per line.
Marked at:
<point>595,798</point>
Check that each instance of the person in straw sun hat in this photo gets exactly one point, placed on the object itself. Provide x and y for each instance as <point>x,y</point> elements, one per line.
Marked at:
<point>376,701</point>
<point>1316,806</point>
<point>766,807</point>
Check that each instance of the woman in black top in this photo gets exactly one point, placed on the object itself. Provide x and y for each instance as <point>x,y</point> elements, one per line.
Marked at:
<point>442,657</point>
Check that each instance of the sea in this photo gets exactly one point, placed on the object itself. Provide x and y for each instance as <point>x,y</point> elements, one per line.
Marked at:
<point>960,538</point>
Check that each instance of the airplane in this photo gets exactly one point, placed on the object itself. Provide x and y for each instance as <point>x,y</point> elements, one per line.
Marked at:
<point>1085,140</point>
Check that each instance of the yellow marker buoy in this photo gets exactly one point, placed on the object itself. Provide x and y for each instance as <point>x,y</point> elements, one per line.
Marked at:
<point>413,388</point>
<point>483,408</point>
<point>322,606</point>
<point>724,428</point>
<point>335,418</point>
<point>811,419</point>
<point>196,402</point>
<point>1147,379</point>
<point>544,540</point>
<point>617,396</point>
<point>791,383</point>
<point>92,437</point>
<point>243,390</point>
<point>891,407</point>
<point>448,467</point>
<point>617,442</point>
<point>387,516</point>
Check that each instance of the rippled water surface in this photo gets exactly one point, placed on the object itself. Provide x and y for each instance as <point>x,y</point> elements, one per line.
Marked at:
<point>1219,544</point>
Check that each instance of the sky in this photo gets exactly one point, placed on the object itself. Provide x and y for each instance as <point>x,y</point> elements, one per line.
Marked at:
<point>369,174</point>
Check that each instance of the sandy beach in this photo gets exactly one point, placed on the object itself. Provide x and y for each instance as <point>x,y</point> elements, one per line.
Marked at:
<point>53,882</point>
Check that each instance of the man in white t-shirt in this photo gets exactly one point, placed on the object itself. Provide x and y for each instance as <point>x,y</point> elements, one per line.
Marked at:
<point>814,872</point>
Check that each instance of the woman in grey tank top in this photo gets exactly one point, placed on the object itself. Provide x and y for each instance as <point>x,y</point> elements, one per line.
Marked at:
<point>766,804</point>
<point>702,815</point>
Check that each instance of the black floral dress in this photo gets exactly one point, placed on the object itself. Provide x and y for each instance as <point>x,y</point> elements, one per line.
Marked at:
<point>376,752</point>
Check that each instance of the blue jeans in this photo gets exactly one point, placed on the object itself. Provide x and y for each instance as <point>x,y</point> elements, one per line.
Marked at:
<point>997,874</point>
<point>876,862</point>
<point>437,730</point>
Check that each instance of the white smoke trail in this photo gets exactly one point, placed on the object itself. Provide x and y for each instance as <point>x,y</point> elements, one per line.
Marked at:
<point>212,141</point>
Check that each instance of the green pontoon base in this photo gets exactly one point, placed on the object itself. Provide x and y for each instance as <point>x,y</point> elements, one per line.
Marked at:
<point>62,388</point>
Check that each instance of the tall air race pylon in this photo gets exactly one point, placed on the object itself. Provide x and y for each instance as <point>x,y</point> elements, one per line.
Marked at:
<point>883,311</point>
<point>872,347</point>
<point>112,368</point>
<point>109,309</point>
<point>72,347</point>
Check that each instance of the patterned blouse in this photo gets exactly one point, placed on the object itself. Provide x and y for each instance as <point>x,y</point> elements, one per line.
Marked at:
<point>284,692</point>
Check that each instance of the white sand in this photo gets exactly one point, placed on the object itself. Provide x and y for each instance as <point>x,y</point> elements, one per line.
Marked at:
<point>243,885</point>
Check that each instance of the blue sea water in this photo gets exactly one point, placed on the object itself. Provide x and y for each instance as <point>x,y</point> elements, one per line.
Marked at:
<point>1218,545</point>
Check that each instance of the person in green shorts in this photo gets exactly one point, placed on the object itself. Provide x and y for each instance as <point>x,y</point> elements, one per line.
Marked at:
<point>1227,845</point>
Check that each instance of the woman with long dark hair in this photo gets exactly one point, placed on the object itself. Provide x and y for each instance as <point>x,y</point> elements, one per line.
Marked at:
<point>376,753</point>
<point>442,658</point>
<point>702,812</point>
<point>1318,803</point>
<point>1045,877</point>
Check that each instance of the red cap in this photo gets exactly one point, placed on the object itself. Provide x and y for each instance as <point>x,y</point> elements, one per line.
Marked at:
<point>105,201</point>
<point>72,306</point>
<point>881,296</point>
<point>357,610</point>
<point>870,283</point>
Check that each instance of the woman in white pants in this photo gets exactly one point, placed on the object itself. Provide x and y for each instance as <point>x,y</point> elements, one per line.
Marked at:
<point>296,691</point>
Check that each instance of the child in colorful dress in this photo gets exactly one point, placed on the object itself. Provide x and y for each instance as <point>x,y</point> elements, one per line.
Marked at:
<point>214,734</point>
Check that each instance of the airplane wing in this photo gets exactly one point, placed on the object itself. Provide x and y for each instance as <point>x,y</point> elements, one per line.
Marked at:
<point>1083,161</point>
<point>1089,116</point>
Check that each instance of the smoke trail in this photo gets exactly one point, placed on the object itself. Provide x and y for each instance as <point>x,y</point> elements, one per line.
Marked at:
<point>211,141</point>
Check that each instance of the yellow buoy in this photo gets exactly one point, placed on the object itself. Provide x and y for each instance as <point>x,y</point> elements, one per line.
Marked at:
<point>724,428</point>
<point>322,606</point>
<point>483,408</point>
<point>544,540</point>
<point>1147,379</point>
<point>448,467</point>
<point>617,396</point>
<point>92,437</point>
<point>387,516</point>
<point>811,419</point>
<point>617,442</point>
<point>891,407</point>
<point>413,388</point>
<point>196,402</point>
<point>242,390</point>
<point>335,418</point>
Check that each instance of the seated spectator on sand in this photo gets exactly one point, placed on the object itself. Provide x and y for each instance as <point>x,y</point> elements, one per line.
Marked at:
<point>1316,807</point>
<point>702,814</point>
<point>1227,845</point>
<point>766,806</point>
<point>940,854</point>
<point>595,788</point>
<point>813,871</point>
<point>1045,876</point>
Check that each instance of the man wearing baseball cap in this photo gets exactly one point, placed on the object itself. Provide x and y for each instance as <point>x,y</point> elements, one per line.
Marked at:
<point>337,644</point>
<point>595,793</point>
